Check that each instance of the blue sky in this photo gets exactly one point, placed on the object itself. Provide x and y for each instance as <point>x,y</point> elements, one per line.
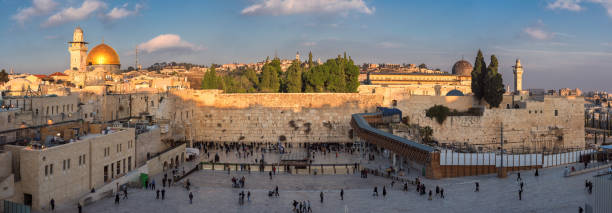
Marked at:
<point>561,43</point>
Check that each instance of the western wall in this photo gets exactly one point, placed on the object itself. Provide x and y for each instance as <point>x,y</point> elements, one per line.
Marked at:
<point>210,115</point>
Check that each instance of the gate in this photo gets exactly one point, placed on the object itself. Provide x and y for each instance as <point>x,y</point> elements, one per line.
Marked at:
<point>11,207</point>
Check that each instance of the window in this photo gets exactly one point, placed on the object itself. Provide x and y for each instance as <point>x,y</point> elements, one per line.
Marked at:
<point>68,163</point>
<point>46,170</point>
<point>51,169</point>
<point>118,167</point>
<point>84,158</point>
<point>64,165</point>
<point>80,161</point>
<point>112,170</point>
<point>130,163</point>
<point>124,165</point>
<point>105,173</point>
<point>556,112</point>
<point>117,147</point>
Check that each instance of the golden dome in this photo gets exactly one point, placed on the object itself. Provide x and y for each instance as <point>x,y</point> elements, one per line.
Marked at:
<point>102,55</point>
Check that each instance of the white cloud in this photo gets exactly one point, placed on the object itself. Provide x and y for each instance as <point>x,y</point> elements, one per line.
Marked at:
<point>571,5</point>
<point>38,8</point>
<point>167,42</point>
<point>122,12</point>
<point>75,14</point>
<point>577,5</point>
<point>291,7</point>
<point>538,33</point>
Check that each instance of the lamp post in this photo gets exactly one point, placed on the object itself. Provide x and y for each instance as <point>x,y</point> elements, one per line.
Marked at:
<point>501,173</point>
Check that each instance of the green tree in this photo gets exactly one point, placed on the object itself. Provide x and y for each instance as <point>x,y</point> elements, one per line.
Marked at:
<point>494,84</point>
<point>310,59</point>
<point>479,76</point>
<point>211,80</point>
<point>293,78</point>
<point>4,77</point>
<point>352,76</point>
<point>269,80</point>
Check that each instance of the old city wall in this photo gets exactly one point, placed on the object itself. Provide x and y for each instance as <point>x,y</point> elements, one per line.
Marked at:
<point>210,115</point>
<point>267,117</point>
<point>555,122</point>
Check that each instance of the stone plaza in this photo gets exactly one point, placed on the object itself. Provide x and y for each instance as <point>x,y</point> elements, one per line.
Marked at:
<point>213,192</point>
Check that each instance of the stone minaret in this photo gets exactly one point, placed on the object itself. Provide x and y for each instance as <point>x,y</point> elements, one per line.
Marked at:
<point>78,50</point>
<point>297,56</point>
<point>518,76</point>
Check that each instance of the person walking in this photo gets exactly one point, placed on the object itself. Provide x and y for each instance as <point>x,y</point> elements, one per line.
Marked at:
<point>520,194</point>
<point>437,190</point>
<point>153,184</point>
<point>276,191</point>
<point>521,185</point>
<point>125,194</point>
<point>79,207</point>
<point>341,194</point>
<point>321,195</point>
<point>518,176</point>
<point>157,197</point>
<point>429,195</point>
<point>477,187</point>
<point>384,191</point>
<point>52,204</point>
<point>375,193</point>
<point>442,193</point>
<point>249,195</point>
<point>190,198</point>
<point>270,175</point>
<point>537,173</point>
<point>580,210</point>
<point>163,194</point>
<point>117,198</point>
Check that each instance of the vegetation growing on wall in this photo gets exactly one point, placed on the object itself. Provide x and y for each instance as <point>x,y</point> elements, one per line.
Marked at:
<point>439,112</point>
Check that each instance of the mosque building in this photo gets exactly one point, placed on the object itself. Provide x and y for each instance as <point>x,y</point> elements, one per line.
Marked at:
<point>100,65</point>
<point>419,81</point>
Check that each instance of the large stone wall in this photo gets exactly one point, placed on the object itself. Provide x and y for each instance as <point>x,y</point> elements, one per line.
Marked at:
<point>555,122</point>
<point>210,115</point>
<point>271,117</point>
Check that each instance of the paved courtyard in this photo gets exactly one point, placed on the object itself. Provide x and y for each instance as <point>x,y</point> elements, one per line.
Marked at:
<point>550,192</point>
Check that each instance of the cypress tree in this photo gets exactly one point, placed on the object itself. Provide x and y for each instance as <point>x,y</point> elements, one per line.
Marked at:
<point>494,85</point>
<point>479,76</point>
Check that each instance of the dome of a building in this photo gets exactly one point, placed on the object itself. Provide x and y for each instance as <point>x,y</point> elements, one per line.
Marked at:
<point>454,93</point>
<point>102,55</point>
<point>463,68</point>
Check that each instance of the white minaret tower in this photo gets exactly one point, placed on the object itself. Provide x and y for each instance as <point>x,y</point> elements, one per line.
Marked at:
<point>297,56</point>
<point>518,76</point>
<point>78,50</point>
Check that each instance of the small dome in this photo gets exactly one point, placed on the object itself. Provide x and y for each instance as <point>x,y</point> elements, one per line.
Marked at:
<point>102,55</point>
<point>454,93</point>
<point>463,68</point>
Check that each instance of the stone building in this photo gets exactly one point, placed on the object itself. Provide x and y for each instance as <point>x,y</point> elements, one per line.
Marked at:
<point>419,81</point>
<point>64,172</point>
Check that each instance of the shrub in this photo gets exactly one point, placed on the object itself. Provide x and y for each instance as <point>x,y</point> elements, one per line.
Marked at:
<point>439,112</point>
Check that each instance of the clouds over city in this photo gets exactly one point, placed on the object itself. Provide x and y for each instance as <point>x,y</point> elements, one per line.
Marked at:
<point>71,14</point>
<point>73,11</point>
<point>578,5</point>
<point>38,8</point>
<point>538,32</point>
<point>292,7</point>
<point>168,42</point>
<point>122,12</point>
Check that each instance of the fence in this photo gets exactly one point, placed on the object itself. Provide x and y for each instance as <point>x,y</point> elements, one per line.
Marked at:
<point>452,158</point>
<point>10,207</point>
<point>312,169</point>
